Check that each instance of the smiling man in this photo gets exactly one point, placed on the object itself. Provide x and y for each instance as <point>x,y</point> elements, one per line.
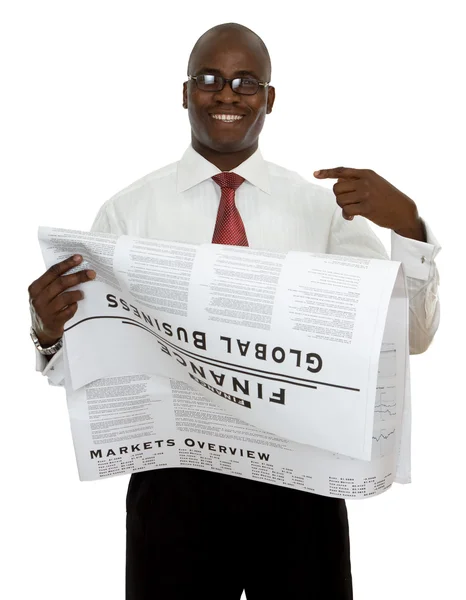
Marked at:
<point>199,534</point>
<point>226,133</point>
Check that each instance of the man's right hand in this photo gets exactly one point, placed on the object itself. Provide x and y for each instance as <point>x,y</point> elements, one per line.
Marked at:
<point>51,305</point>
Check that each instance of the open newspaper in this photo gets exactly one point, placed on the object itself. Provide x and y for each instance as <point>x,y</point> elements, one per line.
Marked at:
<point>285,368</point>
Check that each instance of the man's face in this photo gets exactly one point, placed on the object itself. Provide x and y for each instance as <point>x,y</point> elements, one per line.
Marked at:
<point>230,58</point>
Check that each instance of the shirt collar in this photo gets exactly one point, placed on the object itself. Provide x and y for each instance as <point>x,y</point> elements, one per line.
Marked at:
<point>194,168</point>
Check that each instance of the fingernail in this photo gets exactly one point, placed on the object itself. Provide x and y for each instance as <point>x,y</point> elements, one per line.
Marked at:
<point>91,274</point>
<point>76,258</point>
<point>316,173</point>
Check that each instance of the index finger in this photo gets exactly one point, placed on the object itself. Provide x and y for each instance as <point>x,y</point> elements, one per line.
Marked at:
<point>53,273</point>
<point>344,172</point>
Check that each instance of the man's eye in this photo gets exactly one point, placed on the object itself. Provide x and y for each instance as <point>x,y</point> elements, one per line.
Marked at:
<point>209,79</point>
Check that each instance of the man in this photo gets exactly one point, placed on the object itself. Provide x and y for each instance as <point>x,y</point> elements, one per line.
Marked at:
<point>193,533</point>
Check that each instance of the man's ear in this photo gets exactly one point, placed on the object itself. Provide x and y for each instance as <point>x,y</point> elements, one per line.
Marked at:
<point>270,98</point>
<point>185,94</point>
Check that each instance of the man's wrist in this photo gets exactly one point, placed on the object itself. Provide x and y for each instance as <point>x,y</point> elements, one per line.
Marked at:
<point>46,349</point>
<point>414,231</point>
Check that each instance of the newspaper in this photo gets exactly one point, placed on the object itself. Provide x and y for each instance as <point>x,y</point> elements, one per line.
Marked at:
<point>286,368</point>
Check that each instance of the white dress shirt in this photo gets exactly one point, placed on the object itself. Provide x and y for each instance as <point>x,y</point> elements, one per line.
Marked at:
<point>281,211</point>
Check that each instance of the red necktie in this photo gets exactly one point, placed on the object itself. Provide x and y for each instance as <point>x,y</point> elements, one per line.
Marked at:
<point>229,228</point>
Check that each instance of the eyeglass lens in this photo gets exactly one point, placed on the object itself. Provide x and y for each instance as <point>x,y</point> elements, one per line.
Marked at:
<point>240,85</point>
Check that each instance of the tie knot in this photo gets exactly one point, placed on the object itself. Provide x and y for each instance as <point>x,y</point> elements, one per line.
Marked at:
<point>228,180</point>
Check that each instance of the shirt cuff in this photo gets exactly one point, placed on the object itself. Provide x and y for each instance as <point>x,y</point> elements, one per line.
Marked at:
<point>53,369</point>
<point>417,257</point>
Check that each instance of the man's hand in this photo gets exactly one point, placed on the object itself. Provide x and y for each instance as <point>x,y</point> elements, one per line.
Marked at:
<point>51,305</point>
<point>363,192</point>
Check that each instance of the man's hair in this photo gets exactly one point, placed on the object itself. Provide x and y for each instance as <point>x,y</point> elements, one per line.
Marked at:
<point>241,30</point>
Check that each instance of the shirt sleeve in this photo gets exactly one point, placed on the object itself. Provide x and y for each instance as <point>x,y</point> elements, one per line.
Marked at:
<point>106,221</point>
<point>356,238</point>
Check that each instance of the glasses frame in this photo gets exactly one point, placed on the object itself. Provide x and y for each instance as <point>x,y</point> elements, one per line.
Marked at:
<point>263,84</point>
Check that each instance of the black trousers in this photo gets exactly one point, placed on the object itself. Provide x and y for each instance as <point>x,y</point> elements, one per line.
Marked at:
<point>207,536</point>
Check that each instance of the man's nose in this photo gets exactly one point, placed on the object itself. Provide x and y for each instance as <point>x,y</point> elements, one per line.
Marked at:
<point>227,95</point>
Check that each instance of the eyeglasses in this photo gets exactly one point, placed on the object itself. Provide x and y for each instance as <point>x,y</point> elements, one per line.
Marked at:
<point>247,86</point>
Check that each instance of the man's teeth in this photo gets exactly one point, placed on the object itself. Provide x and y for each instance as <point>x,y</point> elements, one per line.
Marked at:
<point>227,117</point>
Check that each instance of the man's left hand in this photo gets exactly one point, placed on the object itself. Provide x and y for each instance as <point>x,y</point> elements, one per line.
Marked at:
<point>363,192</point>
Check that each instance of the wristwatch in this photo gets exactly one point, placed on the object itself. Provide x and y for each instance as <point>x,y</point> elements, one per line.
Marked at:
<point>50,349</point>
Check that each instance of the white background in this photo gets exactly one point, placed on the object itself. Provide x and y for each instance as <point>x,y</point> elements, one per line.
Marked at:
<point>91,101</point>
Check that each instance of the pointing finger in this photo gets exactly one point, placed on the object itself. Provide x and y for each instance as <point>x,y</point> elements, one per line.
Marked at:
<point>343,172</point>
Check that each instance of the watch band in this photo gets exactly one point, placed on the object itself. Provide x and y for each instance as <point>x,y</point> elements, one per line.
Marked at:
<point>45,351</point>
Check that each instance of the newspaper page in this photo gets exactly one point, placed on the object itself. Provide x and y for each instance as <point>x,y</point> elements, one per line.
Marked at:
<point>217,356</point>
